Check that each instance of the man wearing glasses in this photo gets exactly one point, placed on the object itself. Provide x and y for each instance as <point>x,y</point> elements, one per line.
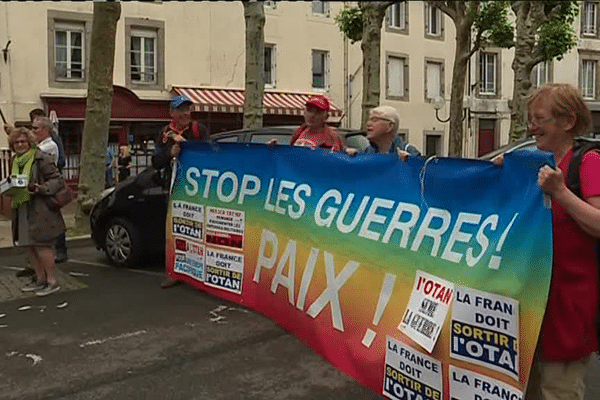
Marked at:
<point>382,132</point>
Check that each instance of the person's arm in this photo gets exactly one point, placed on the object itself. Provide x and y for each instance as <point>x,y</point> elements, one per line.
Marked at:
<point>52,180</point>
<point>160,157</point>
<point>412,150</point>
<point>54,152</point>
<point>404,149</point>
<point>338,143</point>
<point>585,212</point>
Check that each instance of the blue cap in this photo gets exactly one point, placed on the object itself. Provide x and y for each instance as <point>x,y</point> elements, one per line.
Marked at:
<point>180,101</point>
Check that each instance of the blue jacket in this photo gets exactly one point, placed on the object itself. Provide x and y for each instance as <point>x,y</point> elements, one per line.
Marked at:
<point>397,143</point>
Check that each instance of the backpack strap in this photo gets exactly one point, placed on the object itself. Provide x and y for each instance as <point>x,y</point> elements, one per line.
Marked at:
<point>195,128</point>
<point>573,179</point>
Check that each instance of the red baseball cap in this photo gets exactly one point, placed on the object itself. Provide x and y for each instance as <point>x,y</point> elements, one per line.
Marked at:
<point>319,101</point>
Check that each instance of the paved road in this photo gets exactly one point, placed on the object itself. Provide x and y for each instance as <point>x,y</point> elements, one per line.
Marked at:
<point>114,334</point>
<point>117,335</point>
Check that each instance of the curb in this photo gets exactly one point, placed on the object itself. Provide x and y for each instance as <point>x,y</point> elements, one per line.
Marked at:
<point>72,242</point>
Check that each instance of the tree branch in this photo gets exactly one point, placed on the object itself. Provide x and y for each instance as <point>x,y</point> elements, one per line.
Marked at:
<point>444,7</point>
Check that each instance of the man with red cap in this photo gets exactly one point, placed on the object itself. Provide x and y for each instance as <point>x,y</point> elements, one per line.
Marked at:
<point>315,132</point>
<point>168,145</point>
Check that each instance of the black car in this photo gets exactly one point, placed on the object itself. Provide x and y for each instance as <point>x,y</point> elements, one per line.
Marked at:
<point>283,134</point>
<point>128,220</point>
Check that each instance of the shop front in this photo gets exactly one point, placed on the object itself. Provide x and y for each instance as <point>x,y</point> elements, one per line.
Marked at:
<point>136,122</point>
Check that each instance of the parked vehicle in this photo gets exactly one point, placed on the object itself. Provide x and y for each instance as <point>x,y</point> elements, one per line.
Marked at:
<point>522,144</point>
<point>283,134</point>
<point>128,220</point>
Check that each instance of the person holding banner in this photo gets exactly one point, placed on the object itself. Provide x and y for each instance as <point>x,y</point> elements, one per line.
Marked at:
<point>557,114</point>
<point>315,132</point>
<point>168,145</point>
<point>382,132</point>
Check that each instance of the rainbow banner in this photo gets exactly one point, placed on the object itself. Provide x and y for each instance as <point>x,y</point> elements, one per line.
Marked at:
<point>424,280</point>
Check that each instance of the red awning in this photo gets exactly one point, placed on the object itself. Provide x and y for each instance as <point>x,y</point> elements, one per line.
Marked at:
<point>232,101</point>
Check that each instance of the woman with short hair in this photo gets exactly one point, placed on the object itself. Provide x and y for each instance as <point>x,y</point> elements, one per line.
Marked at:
<point>34,225</point>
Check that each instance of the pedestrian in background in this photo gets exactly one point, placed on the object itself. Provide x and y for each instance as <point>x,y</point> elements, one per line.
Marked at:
<point>34,225</point>
<point>43,129</point>
<point>109,163</point>
<point>557,114</point>
<point>61,161</point>
<point>58,154</point>
<point>124,162</point>
<point>168,145</point>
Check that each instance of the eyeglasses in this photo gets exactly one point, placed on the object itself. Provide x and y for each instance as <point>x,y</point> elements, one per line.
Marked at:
<point>540,121</point>
<point>377,119</point>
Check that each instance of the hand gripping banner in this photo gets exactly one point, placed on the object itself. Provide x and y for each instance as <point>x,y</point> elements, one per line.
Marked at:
<point>421,279</point>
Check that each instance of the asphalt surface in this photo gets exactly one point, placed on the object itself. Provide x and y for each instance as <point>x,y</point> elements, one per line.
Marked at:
<point>115,334</point>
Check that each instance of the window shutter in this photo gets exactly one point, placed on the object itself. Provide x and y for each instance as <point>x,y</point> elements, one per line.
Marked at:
<point>327,71</point>
<point>274,63</point>
<point>405,80</point>
<point>443,81</point>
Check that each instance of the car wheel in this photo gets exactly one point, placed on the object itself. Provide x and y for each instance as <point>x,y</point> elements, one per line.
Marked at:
<point>121,243</point>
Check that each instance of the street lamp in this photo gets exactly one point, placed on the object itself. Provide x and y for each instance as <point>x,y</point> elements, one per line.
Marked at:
<point>438,102</point>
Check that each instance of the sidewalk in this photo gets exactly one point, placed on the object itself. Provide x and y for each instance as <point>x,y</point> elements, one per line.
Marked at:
<point>68,214</point>
<point>10,285</point>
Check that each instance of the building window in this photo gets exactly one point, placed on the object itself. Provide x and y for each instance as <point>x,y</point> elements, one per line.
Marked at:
<point>589,19</point>
<point>487,73</point>
<point>143,56</point>
<point>403,134</point>
<point>69,50</point>
<point>540,74</point>
<point>144,61</point>
<point>433,22</point>
<point>397,77</point>
<point>270,64</point>
<point>433,144</point>
<point>320,8</point>
<point>434,79</point>
<point>320,69</point>
<point>588,79</point>
<point>397,18</point>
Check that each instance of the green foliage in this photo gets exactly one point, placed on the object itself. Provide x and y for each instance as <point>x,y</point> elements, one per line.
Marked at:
<point>350,22</point>
<point>491,22</point>
<point>557,36</point>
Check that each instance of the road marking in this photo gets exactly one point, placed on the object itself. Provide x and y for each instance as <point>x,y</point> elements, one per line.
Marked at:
<point>11,268</point>
<point>137,271</point>
<point>93,264</point>
<point>122,336</point>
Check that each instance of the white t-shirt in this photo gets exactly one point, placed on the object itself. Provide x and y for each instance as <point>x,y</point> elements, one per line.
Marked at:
<point>49,146</point>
